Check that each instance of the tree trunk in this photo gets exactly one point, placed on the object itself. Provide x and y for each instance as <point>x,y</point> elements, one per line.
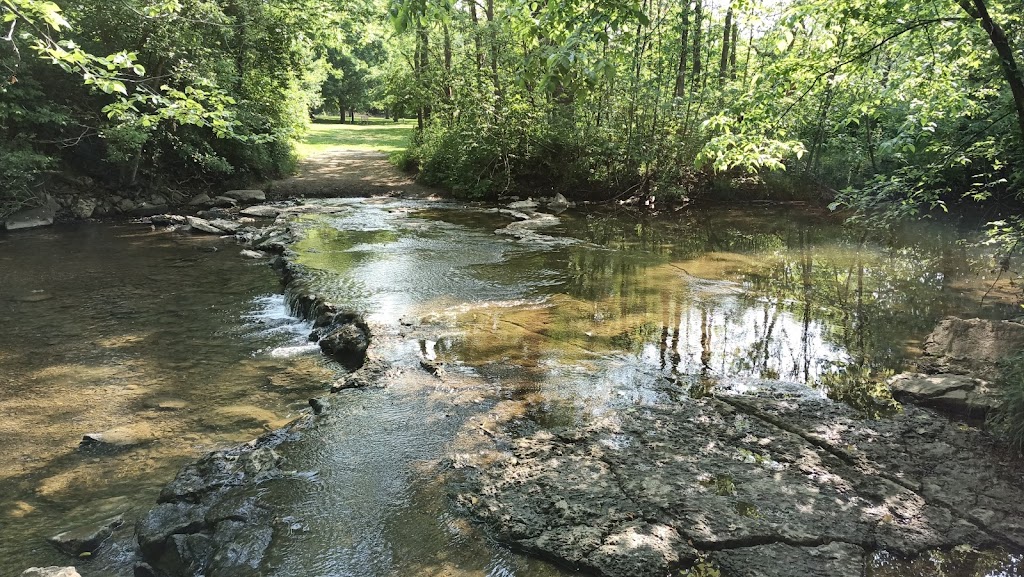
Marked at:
<point>723,64</point>
<point>684,48</point>
<point>732,51</point>
<point>492,39</point>
<point>698,17</point>
<point>979,10</point>
<point>447,61</point>
<point>476,42</point>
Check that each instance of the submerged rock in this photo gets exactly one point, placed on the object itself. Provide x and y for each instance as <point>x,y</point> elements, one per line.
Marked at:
<point>86,539</point>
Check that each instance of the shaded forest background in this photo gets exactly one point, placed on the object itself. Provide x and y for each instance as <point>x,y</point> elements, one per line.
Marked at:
<point>889,108</point>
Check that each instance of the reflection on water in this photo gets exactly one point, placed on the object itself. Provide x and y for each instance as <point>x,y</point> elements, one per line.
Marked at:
<point>632,312</point>
<point>177,348</point>
<point>732,297</point>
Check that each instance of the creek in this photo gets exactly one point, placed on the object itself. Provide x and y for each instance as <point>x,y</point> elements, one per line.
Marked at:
<point>557,322</point>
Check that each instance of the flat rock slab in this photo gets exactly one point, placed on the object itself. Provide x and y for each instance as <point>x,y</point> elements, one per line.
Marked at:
<point>31,218</point>
<point>766,485</point>
<point>959,395</point>
<point>86,539</point>
<point>247,195</point>
<point>203,225</point>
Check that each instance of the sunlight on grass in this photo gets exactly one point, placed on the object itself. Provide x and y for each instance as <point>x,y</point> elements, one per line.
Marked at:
<point>384,136</point>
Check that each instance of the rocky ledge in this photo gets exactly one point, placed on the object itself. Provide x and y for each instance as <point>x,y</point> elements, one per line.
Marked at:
<point>757,486</point>
<point>212,519</point>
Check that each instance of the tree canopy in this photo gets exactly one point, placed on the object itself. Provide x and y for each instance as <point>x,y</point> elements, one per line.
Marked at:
<point>892,108</point>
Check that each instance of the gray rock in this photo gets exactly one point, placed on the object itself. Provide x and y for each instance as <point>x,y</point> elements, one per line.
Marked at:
<point>118,438</point>
<point>148,209</point>
<point>86,539</point>
<point>203,225</point>
<point>33,217</point>
<point>84,207</point>
<point>201,200</point>
<point>53,571</point>
<point>228,226</point>
<point>253,254</point>
<point>971,346</point>
<point>347,343</point>
<point>371,374</point>
<point>158,199</point>
<point>781,560</point>
<point>960,395</point>
<point>168,219</point>
<point>262,211</point>
<point>247,196</point>
<point>125,205</point>
<point>770,487</point>
<point>523,204</point>
<point>558,202</point>
<point>224,202</point>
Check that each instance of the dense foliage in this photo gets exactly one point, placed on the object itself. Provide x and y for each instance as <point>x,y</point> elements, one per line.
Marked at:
<point>139,92</point>
<point>900,104</point>
<point>890,108</point>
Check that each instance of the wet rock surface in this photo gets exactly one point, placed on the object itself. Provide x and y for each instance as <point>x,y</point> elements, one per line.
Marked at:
<point>765,486</point>
<point>86,539</point>
<point>53,571</point>
<point>212,519</point>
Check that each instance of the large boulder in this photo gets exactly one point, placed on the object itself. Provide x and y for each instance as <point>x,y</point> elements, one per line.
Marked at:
<point>33,217</point>
<point>84,207</point>
<point>971,346</point>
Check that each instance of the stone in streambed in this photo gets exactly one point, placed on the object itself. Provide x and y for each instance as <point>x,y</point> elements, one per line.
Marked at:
<point>203,225</point>
<point>53,571</point>
<point>247,195</point>
<point>118,438</point>
<point>347,344</point>
<point>86,539</point>
<point>201,200</point>
<point>253,254</point>
<point>261,211</point>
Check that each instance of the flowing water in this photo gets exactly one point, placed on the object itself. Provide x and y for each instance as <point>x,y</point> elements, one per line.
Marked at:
<point>557,320</point>
<point>152,337</point>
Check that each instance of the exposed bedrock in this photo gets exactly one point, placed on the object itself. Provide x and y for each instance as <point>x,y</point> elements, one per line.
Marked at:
<point>760,485</point>
<point>212,519</point>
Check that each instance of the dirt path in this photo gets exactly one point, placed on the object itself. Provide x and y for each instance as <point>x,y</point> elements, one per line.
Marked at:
<point>345,172</point>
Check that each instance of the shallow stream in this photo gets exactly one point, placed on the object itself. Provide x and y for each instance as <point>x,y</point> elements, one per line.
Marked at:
<point>121,327</point>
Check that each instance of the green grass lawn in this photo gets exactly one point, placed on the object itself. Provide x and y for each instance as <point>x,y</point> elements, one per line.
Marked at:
<point>383,136</point>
